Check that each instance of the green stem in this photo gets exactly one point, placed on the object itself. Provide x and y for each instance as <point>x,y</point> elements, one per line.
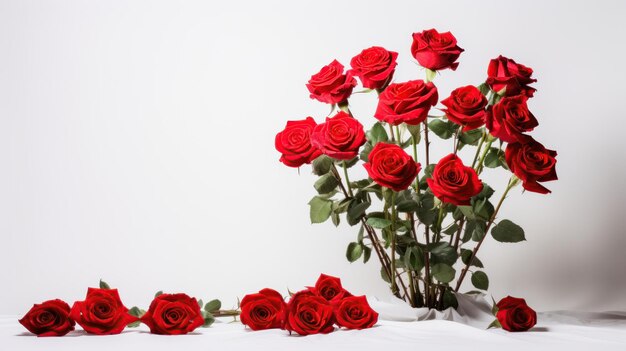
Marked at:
<point>345,174</point>
<point>480,145</point>
<point>439,223</point>
<point>479,166</point>
<point>417,178</point>
<point>393,240</point>
<point>393,138</point>
<point>398,135</point>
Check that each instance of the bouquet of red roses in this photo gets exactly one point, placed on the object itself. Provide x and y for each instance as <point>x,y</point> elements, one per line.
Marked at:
<point>424,219</point>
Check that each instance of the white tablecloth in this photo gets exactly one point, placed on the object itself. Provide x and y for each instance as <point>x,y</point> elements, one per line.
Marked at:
<point>554,331</point>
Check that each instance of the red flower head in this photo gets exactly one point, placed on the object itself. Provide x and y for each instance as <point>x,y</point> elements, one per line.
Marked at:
<point>263,310</point>
<point>355,313</point>
<point>390,166</point>
<point>374,67</point>
<point>308,313</point>
<point>294,143</point>
<point>453,182</point>
<point>102,312</point>
<point>330,289</point>
<point>515,77</point>
<point>515,315</point>
<point>510,118</point>
<point>173,314</point>
<point>532,163</point>
<point>406,102</point>
<point>331,85</point>
<point>466,107</point>
<point>436,51</point>
<point>49,318</point>
<point>340,137</point>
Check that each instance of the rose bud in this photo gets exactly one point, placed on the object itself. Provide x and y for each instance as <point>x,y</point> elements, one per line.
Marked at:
<point>510,118</point>
<point>49,318</point>
<point>436,51</point>
<point>532,163</point>
<point>330,85</point>
<point>330,289</point>
<point>466,107</point>
<point>173,314</point>
<point>263,310</point>
<point>453,182</point>
<point>506,73</point>
<point>102,312</point>
<point>374,67</point>
<point>390,166</point>
<point>406,102</point>
<point>515,315</point>
<point>308,313</point>
<point>294,143</point>
<point>340,137</point>
<point>355,313</point>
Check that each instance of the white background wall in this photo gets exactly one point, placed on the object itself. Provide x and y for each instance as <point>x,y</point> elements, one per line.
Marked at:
<point>136,144</point>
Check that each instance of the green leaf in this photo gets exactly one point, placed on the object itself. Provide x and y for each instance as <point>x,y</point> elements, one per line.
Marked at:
<point>320,209</point>
<point>443,272</point>
<point>158,293</point>
<point>384,275</point>
<point>321,165</point>
<point>480,280</point>
<point>354,252</point>
<point>486,192</point>
<point>407,206</point>
<point>471,137</point>
<point>495,324</point>
<point>349,163</point>
<point>494,158</point>
<point>326,183</point>
<point>377,134</point>
<point>414,258</point>
<point>134,324</point>
<point>200,303</point>
<point>484,88</point>
<point>479,231</point>
<point>449,299</point>
<point>367,253</point>
<point>445,130</point>
<point>442,252</point>
<point>508,232</point>
<point>208,319</point>
<point>334,217</point>
<point>465,257</point>
<point>378,223</point>
<point>213,305</point>
<point>415,131</point>
<point>356,212</point>
<point>104,285</point>
<point>451,229</point>
<point>364,154</point>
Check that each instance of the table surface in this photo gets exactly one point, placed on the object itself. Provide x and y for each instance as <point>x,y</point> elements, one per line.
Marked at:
<point>554,331</point>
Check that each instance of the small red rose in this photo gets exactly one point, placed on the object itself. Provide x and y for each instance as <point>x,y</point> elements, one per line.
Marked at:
<point>515,315</point>
<point>510,118</point>
<point>49,318</point>
<point>330,85</point>
<point>374,67</point>
<point>466,107</point>
<point>453,182</point>
<point>263,310</point>
<point>308,313</point>
<point>532,163</point>
<point>173,314</point>
<point>340,137</point>
<point>355,313</point>
<point>330,289</point>
<point>390,166</point>
<point>102,312</point>
<point>406,102</point>
<point>436,51</point>
<point>515,77</point>
<point>294,143</point>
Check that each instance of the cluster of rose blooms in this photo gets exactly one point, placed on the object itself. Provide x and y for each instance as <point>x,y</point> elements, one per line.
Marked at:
<point>341,136</point>
<point>314,310</point>
<point>103,313</point>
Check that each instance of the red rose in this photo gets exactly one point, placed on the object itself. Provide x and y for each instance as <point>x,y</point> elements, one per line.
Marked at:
<point>436,51</point>
<point>330,288</point>
<point>374,66</point>
<point>510,118</point>
<point>50,318</point>
<point>295,144</point>
<point>406,102</point>
<point>355,313</point>
<point>173,314</point>
<point>340,137</point>
<point>392,167</point>
<point>466,107</point>
<point>506,73</point>
<point>532,163</point>
<point>308,313</point>
<point>453,182</point>
<point>515,315</point>
<point>263,310</point>
<point>330,85</point>
<point>102,312</point>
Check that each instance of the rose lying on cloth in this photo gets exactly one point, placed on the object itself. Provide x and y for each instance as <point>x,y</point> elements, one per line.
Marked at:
<point>294,143</point>
<point>263,310</point>
<point>390,166</point>
<point>466,107</point>
<point>515,315</point>
<point>453,182</point>
<point>173,314</point>
<point>331,85</point>
<point>355,313</point>
<point>330,289</point>
<point>340,137</point>
<point>308,313</point>
<point>49,318</point>
<point>532,163</point>
<point>374,67</point>
<point>436,51</point>
<point>506,73</point>
<point>510,118</point>
<point>407,102</point>
<point>102,312</point>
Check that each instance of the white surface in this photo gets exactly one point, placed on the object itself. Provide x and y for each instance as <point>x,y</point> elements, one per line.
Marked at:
<point>577,332</point>
<point>137,136</point>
